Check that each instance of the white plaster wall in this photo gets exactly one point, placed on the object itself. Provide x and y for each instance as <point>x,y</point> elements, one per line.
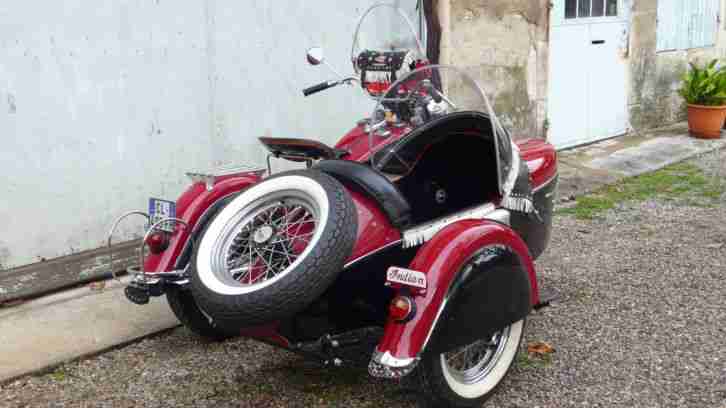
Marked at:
<point>104,103</point>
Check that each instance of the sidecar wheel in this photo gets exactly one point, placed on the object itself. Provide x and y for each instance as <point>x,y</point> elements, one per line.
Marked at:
<point>182,304</point>
<point>468,376</point>
<point>273,249</point>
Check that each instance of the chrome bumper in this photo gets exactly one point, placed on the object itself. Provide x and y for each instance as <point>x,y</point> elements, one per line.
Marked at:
<point>385,365</point>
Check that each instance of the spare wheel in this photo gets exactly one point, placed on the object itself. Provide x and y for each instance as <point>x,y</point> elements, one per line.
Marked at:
<point>273,249</point>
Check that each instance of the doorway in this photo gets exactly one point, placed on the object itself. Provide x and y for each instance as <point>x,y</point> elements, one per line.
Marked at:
<point>587,79</point>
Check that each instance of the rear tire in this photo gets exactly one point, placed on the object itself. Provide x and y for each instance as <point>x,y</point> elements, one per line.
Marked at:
<point>443,381</point>
<point>186,310</point>
<point>274,249</point>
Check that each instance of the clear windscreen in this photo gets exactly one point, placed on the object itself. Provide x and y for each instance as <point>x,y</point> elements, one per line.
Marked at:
<point>420,107</point>
<point>385,27</point>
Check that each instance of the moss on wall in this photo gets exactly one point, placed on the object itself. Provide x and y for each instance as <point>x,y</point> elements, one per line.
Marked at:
<point>501,43</point>
<point>513,104</point>
<point>655,77</point>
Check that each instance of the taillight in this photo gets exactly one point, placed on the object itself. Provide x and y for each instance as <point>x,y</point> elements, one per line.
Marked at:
<point>158,242</point>
<point>401,309</point>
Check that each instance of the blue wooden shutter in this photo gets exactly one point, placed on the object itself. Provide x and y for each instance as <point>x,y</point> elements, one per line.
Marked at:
<point>672,22</point>
<point>707,26</point>
<point>687,24</point>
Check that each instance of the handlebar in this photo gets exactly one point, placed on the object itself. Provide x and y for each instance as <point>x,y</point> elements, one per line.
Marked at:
<point>328,84</point>
<point>320,87</point>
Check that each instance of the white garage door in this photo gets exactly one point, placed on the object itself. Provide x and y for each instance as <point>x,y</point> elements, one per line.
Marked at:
<point>587,88</point>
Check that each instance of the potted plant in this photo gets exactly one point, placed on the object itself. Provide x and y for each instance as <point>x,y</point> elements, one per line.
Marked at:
<point>704,89</point>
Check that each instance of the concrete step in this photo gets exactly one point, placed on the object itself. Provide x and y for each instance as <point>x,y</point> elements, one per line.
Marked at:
<point>54,329</point>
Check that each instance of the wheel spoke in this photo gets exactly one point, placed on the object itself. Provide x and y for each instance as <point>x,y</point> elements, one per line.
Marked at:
<point>294,237</point>
<point>274,251</point>
<point>270,240</point>
<point>262,258</point>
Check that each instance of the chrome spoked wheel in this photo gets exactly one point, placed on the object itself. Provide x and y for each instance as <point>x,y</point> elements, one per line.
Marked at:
<point>471,373</point>
<point>472,363</point>
<point>273,249</point>
<point>270,241</point>
<point>265,240</point>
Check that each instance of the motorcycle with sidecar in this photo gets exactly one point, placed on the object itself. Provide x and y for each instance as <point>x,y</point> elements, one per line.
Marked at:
<point>409,245</point>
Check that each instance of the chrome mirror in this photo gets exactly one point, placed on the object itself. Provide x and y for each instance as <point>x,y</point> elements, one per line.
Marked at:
<point>315,56</point>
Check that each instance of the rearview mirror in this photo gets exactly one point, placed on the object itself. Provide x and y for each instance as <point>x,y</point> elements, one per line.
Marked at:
<point>315,56</point>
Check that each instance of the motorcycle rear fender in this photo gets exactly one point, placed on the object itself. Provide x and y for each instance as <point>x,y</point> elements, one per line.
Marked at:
<point>456,309</point>
<point>196,206</point>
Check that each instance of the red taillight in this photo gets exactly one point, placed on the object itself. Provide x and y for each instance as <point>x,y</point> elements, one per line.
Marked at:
<point>158,242</point>
<point>401,309</point>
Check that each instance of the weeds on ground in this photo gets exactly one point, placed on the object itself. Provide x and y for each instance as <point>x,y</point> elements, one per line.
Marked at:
<point>672,182</point>
<point>527,360</point>
<point>59,374</point>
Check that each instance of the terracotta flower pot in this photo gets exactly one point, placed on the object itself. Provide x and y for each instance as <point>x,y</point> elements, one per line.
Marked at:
<point>705,122</point>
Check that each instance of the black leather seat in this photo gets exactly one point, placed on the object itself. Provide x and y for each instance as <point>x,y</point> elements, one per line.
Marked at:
<point>387,195</point>
<point>300,149</point>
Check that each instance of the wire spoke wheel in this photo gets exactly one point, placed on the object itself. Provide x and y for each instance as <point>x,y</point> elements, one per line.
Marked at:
<point>266,239</point>
<point>472,363</point>
<point>273,249</point>
<point>468,375</point>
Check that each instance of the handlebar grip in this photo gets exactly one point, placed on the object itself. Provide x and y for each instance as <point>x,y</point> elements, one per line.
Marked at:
<point>319,87</point>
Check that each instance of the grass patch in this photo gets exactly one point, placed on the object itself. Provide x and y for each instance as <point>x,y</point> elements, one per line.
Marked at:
<point>670,183</point>
<point>58,375</point>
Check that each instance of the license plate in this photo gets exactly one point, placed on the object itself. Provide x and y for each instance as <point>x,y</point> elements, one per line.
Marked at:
<point>160,209</point>
<point>406,277</point>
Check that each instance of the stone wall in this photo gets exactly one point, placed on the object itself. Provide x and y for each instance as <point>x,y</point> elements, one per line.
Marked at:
<point>655,76</point>
<point>503,45</point>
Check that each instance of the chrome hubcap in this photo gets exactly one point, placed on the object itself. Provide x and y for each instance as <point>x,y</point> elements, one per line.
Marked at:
<point>472,363</point>
<point>263,234</point>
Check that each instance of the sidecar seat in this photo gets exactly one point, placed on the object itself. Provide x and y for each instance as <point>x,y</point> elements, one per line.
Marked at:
<point>444,166</point>
<point>386,194</point>
<point>401,157</point>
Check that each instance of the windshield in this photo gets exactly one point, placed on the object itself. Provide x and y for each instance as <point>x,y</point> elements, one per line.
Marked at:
<point>386,46</point>
<point>385,27</point>
<point>405,119</point>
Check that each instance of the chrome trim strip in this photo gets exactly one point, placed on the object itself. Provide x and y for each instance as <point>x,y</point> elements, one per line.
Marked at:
<point>419,234</point>
<point>369,254</point>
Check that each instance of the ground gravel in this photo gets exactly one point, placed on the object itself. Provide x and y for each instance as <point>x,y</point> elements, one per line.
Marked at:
<point>640,321</point>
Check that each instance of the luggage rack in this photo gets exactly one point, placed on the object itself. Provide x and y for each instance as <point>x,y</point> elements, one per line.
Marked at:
<point>142,285</point>
<point>209,176</point>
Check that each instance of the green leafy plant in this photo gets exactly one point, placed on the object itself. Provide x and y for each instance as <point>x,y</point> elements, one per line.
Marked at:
<point>705,85</point>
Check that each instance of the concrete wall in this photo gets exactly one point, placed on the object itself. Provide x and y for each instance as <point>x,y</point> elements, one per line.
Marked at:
<point>104,103</point>
<point>503,44</point>
<point>655,76</point>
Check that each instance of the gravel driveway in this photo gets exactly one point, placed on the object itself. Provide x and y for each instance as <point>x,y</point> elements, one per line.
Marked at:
<point>640,322</point>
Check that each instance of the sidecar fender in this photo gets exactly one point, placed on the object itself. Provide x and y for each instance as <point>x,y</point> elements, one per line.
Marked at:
<point>196,206</point>
<point>460,306</point>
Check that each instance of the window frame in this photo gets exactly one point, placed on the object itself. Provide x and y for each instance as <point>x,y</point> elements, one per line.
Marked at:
<point>562,20</point>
